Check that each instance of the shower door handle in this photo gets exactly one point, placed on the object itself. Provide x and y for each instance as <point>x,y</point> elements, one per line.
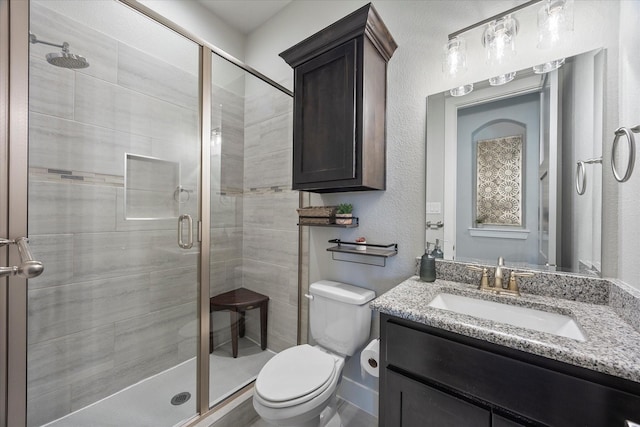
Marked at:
<point>28,267</point>
<point>181,220</point>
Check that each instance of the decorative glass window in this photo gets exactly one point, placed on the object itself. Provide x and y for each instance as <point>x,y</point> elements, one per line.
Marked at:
<point>499,181</point>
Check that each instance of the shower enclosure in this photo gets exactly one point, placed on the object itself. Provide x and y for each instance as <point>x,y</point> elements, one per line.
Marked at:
<point>154,175</point>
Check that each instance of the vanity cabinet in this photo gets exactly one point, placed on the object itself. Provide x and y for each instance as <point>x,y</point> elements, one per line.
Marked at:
<point>434,377</point>
<point>339,132</point>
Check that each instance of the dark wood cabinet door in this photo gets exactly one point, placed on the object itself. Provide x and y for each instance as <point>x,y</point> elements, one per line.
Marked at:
<point>500,421</point>
<point>414,404</point>
<point>324,143</point>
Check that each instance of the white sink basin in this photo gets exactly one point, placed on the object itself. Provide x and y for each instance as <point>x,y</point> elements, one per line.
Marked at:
<point>543,321</point>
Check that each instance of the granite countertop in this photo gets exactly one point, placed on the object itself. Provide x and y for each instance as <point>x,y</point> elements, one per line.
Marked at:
<point>612,346</point>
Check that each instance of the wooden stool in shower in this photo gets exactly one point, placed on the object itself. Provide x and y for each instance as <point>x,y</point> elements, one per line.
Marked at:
<point>237,302</point>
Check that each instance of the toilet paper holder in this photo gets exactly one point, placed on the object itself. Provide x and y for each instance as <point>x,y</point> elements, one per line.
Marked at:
<point>369,358</point>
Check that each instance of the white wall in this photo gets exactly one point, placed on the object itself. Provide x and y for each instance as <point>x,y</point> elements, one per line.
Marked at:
<point>629,202</point>
<point>201,22</point>
<point>582,140</point>
<point>420,28</point>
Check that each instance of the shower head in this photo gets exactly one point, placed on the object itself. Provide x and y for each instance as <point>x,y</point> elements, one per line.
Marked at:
<point>64,58</point>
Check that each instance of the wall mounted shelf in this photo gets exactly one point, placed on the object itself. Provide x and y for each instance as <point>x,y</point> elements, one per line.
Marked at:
<point>355,221</point>
<point>373,254</point>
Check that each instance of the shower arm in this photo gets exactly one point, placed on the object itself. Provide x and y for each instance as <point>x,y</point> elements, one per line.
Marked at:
<point>33,39</point>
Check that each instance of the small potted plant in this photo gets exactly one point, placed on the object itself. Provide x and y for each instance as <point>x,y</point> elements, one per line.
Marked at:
<point>362,246</point>
<point>344,214</point>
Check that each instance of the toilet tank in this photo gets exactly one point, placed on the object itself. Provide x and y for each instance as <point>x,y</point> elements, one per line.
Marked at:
<point>340,316</point>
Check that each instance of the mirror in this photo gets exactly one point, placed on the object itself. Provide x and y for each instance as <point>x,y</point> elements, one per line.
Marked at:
<point>502,169</point>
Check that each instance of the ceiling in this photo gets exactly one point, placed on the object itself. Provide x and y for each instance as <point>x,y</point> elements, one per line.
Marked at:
<point>245,15</point>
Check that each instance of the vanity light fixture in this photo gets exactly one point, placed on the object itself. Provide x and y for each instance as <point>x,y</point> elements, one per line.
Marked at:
<point>499,40</point>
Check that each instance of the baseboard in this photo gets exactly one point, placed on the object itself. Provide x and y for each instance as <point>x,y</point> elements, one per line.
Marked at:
<point>359,396</point>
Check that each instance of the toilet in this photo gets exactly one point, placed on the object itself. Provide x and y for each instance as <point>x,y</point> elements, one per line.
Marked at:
<point>297,387</point>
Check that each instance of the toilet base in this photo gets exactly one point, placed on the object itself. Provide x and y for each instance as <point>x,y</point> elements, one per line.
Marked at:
<point>329,417</point>
<point>334,421</point>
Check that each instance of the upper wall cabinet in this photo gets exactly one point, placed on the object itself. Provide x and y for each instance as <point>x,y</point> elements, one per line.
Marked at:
<point>340,92</point>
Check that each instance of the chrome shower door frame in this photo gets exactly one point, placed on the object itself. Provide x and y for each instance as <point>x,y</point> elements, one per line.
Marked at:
<point>14,67</point>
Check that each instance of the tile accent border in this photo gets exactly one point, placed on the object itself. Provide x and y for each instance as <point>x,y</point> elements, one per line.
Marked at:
<point>79,177</point>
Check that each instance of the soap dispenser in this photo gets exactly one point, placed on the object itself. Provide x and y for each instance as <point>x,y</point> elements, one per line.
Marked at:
<point>437,251</point>
<point>427,266</point>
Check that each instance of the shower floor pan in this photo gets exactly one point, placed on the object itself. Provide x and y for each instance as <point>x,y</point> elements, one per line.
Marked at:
<point>149,402</point>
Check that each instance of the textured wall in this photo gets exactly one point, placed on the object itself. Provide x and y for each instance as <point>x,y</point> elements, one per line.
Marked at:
<point>629,202</point>
<point>582,127</point>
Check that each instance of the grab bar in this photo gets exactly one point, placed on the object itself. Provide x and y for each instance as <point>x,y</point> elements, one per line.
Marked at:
<point>632,152</point>
<point>28,268</point>
<point>581,174</point>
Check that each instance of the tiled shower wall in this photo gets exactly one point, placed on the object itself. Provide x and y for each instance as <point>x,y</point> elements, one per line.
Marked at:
<point>270,234</point>
<point>254,234</point>
<point>116,303</point>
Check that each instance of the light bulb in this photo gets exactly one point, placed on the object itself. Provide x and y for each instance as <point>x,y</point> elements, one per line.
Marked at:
<point>499,39</point>
<point>454,61</point>
<point>555,23</point>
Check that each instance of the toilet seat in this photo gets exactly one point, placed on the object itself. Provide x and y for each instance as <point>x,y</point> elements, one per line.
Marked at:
<point>295,376</point>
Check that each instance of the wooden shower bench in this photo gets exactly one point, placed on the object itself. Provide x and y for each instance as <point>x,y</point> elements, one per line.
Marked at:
<point>238,301</point>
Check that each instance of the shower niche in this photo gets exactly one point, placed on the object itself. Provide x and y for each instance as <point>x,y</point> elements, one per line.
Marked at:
<point>152,188</point>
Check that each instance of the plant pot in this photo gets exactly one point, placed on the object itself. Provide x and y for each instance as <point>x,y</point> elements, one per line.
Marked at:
<point>344,219</point>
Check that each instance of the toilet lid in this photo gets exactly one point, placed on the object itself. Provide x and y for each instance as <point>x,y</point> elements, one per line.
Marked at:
<point>294,373</point>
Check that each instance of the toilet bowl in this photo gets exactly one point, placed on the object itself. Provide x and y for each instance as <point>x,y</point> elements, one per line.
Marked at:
<point>296,385</point>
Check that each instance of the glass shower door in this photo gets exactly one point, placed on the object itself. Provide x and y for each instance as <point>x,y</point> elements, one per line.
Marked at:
<point>254,236</point>
<point>114,170</point>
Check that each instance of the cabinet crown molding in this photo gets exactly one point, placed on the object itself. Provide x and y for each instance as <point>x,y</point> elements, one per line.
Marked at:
<point>364,21</point>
